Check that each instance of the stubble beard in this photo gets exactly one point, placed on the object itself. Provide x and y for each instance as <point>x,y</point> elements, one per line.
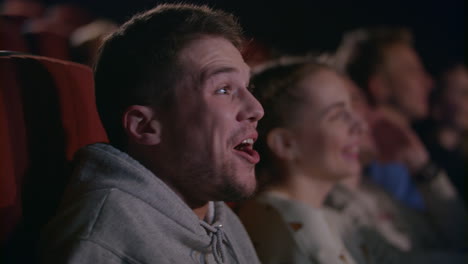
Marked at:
<point>234,191</point>
<point>223,180</point>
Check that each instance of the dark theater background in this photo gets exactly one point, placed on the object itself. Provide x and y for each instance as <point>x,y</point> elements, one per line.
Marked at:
<point>46,127</point>
<point>296,26</point>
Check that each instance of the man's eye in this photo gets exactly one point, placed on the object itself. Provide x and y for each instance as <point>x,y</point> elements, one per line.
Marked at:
<point>223,90</point>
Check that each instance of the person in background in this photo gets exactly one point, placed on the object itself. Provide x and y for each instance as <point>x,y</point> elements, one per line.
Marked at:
<point>86,40</point>
<point>443,133</point>
<point>172,93</point>
<point>309,140</point>
<point>368,204</point>
<point>383,63</point>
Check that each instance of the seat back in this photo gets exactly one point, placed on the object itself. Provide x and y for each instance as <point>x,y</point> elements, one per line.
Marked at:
<point>47,112</point>
<point>48,44</point>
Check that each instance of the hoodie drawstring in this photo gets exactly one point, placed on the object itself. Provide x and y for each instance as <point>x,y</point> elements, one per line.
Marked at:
<point>217,237</point>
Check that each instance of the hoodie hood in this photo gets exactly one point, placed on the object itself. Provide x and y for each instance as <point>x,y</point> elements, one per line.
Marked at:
<point>94,164</point>
<point>135,194</point>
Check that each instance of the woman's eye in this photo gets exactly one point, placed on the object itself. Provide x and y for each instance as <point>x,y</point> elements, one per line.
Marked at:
<point>224,90</point>
<point>345,115</point>
<point>341,115</point>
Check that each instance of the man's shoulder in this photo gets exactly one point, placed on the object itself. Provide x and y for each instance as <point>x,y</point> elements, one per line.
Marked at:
<point>112,221</point>
<point>97,211</point>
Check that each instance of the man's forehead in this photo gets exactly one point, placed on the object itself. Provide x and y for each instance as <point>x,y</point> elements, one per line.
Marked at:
<point>212,55</point>
<point>216,70</point>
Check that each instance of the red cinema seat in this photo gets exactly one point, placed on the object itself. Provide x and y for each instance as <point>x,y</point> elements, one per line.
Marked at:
<point>13,15</point>
<point>11,33</point>
<point>47,112</point>
<point>50,35</point>
<point>48,44</point>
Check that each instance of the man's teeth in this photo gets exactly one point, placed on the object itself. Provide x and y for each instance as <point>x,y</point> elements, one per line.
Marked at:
<point>248,141</point>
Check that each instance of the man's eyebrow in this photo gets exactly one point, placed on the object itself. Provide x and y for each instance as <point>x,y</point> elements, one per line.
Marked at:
<point>210,73</point>
<point>332,107</point>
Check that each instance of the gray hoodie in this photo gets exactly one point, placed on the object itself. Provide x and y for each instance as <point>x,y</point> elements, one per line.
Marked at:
<point>117,211</point>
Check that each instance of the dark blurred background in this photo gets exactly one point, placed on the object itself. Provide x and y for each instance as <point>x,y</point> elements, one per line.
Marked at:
<point>72,30</point>
<point>297,26</point>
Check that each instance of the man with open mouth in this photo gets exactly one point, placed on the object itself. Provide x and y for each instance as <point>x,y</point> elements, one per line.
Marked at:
<point>172,93</point>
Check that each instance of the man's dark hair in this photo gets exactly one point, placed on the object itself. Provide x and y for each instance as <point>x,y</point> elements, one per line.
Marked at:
<point>362,52</point>
<point>277,89</point>
<point>138,64</point>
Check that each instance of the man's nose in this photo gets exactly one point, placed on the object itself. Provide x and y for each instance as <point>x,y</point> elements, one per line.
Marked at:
<point>252,110</point>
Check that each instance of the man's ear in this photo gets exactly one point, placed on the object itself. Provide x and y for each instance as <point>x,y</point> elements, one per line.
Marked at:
<point>378,88</point>
<point>281,142</point>
<point>141,125</point>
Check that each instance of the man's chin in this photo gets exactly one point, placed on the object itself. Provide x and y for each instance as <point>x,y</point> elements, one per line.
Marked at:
<point>238,192</point>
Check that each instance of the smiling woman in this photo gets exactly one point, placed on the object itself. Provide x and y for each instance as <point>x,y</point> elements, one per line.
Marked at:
<point>309,126</point>
<point>309,140</point>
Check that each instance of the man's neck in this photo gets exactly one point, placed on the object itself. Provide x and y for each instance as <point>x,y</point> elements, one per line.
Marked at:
<point>200,208</point>
<point>201,211</point>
